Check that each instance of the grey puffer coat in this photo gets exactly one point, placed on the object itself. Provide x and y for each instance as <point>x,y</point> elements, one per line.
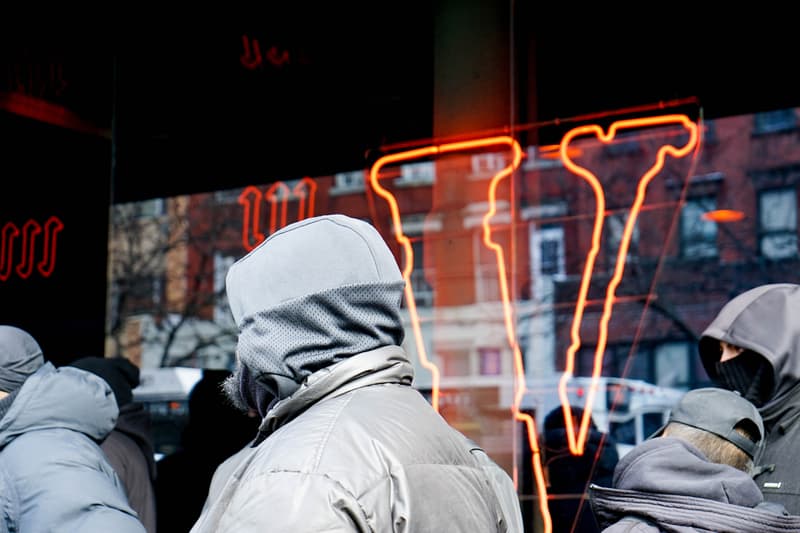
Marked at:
<point>53,475</point>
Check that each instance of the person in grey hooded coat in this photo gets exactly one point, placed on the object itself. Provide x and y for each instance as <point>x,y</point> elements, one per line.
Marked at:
<point>346,443</point>
<point>694,474</point>
<point>53,475</point>
<point>753,347</point>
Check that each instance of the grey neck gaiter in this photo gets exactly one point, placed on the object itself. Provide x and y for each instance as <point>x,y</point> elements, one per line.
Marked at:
<point>284,345</point>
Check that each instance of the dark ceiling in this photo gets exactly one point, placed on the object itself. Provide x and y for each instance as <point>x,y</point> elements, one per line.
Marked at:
<point>194,103</point>
<point>174,110</point>
<point>191,111</point>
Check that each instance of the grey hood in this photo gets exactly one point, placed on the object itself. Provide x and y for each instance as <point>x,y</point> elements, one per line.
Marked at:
<point>673,466</point>
<point>314,293</point>
<point>20,356</point>
<point>669,485</point>
<point>765,320</point>
<point>66,398</point>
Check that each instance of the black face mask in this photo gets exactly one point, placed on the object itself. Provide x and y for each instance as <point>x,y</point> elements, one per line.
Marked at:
<point>750,374</point>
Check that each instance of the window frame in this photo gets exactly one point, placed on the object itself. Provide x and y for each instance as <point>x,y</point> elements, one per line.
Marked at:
<point>688,242</point>
<point>764,233</point>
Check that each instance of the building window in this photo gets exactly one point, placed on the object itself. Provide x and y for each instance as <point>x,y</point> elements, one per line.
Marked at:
<point>550,254</point>
<point>348,182</point>
<point>710,136</point>
<point>222,313</point>
<point>491,361</point>
<point>423,292</point>
<point>539,158</point>
<point>774,121</point>
<point>618,361</point>
<point>454,363</point>
<point>698,236</point>
<point>487,275</point>
<point>672,364</point>
<point>626,143</point>
<point>547,251</point>
<point>614,227</point>
<point>144,293</point>
<point>414,226</point>
<point>777,220</point>
<point>413,174</point>
<point>488,164</point>
<point>227,196</point>
<point>149,208</point>
<point>636,365</point>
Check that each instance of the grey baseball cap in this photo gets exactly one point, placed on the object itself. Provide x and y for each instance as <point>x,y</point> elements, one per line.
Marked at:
<point>720,411</point>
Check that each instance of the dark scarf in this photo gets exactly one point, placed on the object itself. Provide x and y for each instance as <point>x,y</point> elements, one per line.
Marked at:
<point>255,395</point>
<point>750,374</point>
<point>279,348</point>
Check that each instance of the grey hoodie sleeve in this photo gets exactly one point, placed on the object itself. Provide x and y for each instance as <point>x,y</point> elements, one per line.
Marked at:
<point>74,490</point>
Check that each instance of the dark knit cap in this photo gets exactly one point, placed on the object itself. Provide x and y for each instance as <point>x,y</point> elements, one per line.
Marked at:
<point>20,356</point>
<point>120,374</point>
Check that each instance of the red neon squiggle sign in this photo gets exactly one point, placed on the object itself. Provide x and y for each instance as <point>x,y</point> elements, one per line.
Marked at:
<point>277,195</point>
<point>29,232</point>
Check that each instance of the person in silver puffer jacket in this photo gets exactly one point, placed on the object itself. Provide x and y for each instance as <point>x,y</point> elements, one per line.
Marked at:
<point>345,443</point>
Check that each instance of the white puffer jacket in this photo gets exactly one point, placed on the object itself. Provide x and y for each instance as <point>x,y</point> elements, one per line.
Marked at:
<point>356,448</point>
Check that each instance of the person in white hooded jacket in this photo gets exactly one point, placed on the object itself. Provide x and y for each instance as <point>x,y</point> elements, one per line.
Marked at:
<point>345,443</point>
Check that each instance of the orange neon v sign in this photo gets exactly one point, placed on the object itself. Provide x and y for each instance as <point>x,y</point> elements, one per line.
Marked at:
<point>404,241</point>
<point>576,442</point>
<point>508,315</point>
